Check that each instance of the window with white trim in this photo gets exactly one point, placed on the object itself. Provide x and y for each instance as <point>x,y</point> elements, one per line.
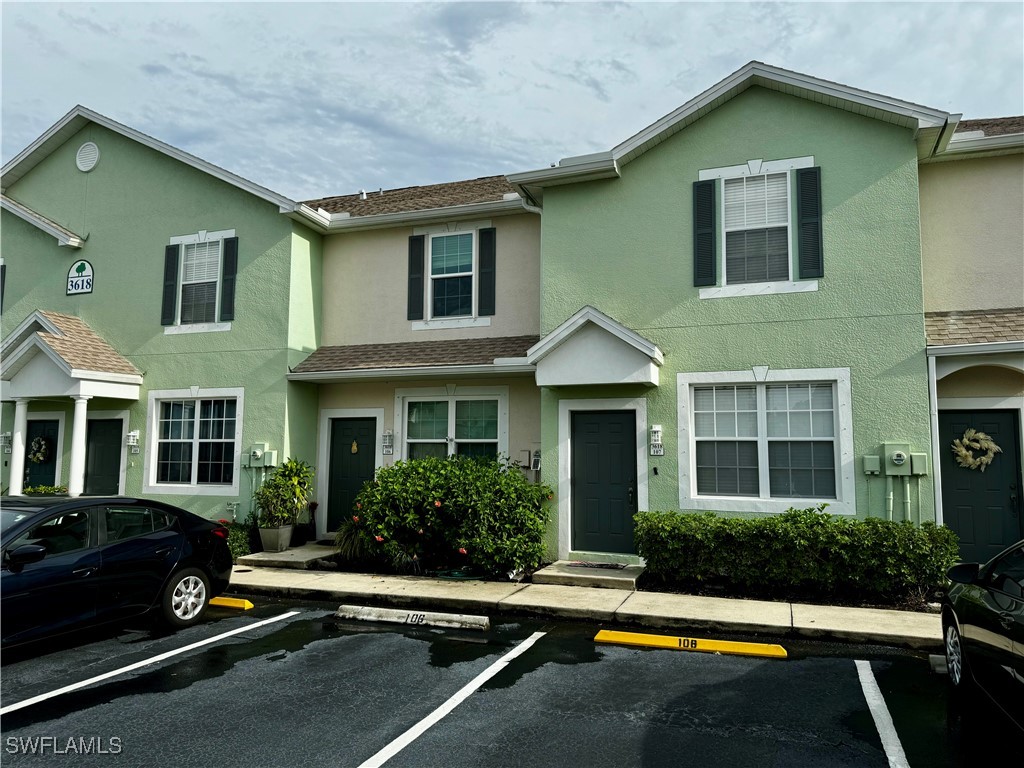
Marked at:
<point>756,225</point>
<point>757,228</point>
<point>196,441</point>
<point>772,440</point>
<point>451,275</point>
<point>796,444</point>
<point>199,282</point>
<point>471,423</point>
<point>193,441</point>
<point>200,276</point>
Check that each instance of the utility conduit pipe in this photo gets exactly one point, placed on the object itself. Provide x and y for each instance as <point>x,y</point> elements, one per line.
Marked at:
<point>888,497</point>
<point>906,497</point>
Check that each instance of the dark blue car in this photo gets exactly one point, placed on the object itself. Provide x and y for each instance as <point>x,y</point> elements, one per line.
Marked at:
<point>68,563</point>
<point>983,629</point>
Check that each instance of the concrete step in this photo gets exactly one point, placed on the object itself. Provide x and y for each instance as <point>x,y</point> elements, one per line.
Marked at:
<point>573,574</point>
<point>294,557</point>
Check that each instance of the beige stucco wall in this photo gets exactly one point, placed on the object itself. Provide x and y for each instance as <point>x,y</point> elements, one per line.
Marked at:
<point>972,234</point>
<point>523,406</point>
<point>365,285</point>
<point>982,381</point>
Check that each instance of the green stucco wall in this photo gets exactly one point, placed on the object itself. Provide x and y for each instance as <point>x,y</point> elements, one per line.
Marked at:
<point>625,246</point>
<point>129,206</point>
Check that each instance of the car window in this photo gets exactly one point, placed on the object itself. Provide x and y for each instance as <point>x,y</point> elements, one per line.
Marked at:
<point>1007,573</point>
<point>10,517</point>
<point>129,522</point>
<point>66,532</point>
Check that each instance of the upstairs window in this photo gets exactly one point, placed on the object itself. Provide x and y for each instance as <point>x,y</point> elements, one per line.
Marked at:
<point>756,213</point>
<point>199,282</point>
<point>748,236</point>
<point>452,277</point>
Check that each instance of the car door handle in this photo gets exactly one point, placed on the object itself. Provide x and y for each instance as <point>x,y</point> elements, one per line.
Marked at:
<point>162,551</point>
<point>83,572</point>
<point>1006,620</point>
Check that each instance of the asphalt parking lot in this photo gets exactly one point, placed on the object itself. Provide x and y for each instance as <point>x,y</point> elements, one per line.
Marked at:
<point>305,689</point>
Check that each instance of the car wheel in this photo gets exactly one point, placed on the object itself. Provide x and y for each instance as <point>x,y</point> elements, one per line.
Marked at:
<point>186,597</point>
<point>956,662</point>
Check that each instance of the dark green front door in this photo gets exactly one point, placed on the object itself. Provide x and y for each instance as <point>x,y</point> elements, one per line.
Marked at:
<point>983,508</point>
<point>103,457</point>
<point>353,458</point>
<point>603,472</point>
<point>42,472</point>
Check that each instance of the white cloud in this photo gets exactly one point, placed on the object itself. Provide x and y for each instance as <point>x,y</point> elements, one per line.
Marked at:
<point>318,99</point>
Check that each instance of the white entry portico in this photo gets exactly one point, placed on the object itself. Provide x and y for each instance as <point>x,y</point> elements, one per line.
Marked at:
<point>53,357</point>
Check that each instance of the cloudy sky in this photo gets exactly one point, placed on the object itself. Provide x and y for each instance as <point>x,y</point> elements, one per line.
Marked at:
<point>314,99</point>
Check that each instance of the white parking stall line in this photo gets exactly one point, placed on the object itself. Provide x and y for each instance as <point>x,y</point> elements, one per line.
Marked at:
<point>464,693</point>
<point>880,712</point>
<point>140,664</point>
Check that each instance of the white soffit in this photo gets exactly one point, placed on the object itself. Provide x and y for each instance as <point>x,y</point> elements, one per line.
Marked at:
<point>63,235</point>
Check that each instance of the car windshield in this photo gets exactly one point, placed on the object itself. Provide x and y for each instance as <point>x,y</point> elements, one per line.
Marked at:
<point>9,517</point>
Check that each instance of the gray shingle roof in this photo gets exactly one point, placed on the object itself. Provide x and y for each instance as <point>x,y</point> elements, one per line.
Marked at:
<point>415,354</point>
<point>993,126</point>
<point>483,190</point>
<point>978,326</point>
<point>82,348</point>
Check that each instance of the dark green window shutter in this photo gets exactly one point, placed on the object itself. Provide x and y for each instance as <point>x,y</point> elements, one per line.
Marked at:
<point>3,281</point>
<point>704,233</point>
<point>808,223</point>
<point>488,268</point>
<point>169,307</point>
<point>229,268</point>
<point>416,249</point>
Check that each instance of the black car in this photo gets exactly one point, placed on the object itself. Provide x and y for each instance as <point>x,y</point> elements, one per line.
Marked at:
<point>983,627</point>
<point>67,563</point>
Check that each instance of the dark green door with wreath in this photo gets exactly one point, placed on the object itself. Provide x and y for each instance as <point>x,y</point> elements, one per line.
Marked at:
<point>353,459</point>
<point>42,472</point>
<point>983,508</point>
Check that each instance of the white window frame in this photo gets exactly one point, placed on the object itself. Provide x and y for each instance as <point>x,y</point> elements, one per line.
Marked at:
<point>750,169</point>
<point>845,501</point>
<point>203,236</point>
<point>461,321</point>
<point>451,393</point>
<point>150,485</point>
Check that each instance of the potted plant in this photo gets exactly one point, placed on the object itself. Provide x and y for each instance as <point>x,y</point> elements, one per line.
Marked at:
<point>279,500</point>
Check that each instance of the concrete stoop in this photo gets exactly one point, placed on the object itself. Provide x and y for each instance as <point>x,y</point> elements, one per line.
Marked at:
<point>295,557</point>
<point>574,574</point>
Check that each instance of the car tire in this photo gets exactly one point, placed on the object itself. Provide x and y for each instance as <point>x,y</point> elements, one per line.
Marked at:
<point>186,597</point>
<point>956,660</point>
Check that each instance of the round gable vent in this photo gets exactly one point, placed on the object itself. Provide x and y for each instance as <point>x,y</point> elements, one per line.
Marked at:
<point>87,157</point>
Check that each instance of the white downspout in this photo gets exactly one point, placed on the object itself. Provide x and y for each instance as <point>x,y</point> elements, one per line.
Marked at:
<point>933,405</point>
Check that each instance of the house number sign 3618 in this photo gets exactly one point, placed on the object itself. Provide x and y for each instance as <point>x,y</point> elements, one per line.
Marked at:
<point>80,278</point>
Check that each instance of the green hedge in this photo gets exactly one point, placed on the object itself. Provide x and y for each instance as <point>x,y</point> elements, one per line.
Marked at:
<point>801,553</point>
<point>443,514</point>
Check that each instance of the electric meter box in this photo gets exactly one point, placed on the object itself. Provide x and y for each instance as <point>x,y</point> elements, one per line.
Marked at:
<point>896,459</point>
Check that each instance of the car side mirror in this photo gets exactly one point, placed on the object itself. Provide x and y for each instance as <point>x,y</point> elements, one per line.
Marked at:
<point>25,555</point>
<point>964,573</point>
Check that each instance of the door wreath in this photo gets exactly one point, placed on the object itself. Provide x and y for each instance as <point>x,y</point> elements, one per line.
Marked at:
<point>973,440</point>
<point>39,451</point>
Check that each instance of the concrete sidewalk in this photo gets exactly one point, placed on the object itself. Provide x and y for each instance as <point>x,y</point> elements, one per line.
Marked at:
<point>605,606</point>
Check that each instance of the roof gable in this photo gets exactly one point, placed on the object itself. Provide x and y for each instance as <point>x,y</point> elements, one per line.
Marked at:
<point>932,127</point>
<point>73,122</point>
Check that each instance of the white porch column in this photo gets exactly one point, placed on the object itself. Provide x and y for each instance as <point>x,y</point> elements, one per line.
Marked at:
<point>17,476</point>
<point>76,475</point>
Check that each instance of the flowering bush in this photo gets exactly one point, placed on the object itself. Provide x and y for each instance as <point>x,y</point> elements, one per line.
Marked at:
<point>450,513</point>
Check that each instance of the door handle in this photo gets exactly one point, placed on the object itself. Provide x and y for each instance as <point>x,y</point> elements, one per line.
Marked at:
<point>162,551</point>
<point>83,572</point>
<point>631,492</point>
<point>1006,620</point>
<point>1014,507</point>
